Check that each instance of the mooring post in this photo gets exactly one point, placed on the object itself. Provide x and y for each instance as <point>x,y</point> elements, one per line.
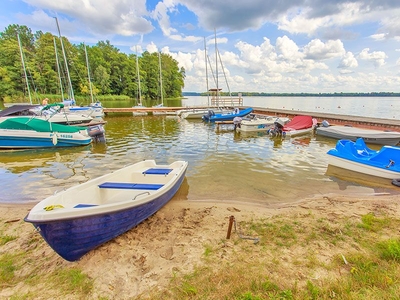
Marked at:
<point>231,219</point>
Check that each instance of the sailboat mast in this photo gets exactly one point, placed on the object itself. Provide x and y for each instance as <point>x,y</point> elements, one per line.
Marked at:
<point>58,70</point>
<point>216,65</point>
<point>205,60</point>
<point>71,91</point>
<point>161,88</point>
<point>88,73</point>
<point>138,76</point>
<point>23,66</point>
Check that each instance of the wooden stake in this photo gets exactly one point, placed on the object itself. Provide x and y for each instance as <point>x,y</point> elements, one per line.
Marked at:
<point>231,219</point>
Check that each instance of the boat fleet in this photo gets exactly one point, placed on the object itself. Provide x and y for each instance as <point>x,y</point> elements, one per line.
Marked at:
<point>47,126</point>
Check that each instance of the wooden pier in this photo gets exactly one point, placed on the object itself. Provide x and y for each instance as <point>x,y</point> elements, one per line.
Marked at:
<point>333,119</point>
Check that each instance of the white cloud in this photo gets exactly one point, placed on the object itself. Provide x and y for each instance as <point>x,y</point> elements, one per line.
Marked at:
<point>376,57</point>
<point>288,49</point>
<point>348,61</point>
<point>101,17</point>
<point>318,50</point>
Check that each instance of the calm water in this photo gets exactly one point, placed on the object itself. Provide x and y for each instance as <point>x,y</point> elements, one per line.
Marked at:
<point>377,107</point>
<point>223,165</point>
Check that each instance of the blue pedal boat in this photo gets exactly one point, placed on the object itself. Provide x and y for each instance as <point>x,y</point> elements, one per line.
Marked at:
<point>356,156</point>
<point>81,218</point>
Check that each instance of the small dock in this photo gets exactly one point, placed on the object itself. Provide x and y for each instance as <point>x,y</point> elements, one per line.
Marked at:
<point>334,119</point>
<point>220,123</point>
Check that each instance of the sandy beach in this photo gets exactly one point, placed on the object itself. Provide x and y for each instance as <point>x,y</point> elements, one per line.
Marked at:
<point>170,242</point>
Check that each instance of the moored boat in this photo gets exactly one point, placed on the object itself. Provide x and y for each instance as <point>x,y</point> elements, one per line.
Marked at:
<point>211,116</point>
<point>26,132</point>
<point>259,123</point>
<point>371,136</point>
<point>299,125</point>
<point>81,218</point>
<point>357,157</point>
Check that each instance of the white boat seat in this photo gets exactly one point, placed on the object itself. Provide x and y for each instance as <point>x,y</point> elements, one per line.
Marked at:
<point>129,185</point>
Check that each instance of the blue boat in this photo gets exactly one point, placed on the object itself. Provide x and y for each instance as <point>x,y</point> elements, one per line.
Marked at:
<point>212,117</point>
<point>356,156</point>
<point>81,218</point>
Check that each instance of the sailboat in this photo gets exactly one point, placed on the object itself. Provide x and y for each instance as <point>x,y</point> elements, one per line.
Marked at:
<point>211,115</point>
<point>139,102</point>
<point>161,105</point>
<point>198,113</point>
<point>95,109</point>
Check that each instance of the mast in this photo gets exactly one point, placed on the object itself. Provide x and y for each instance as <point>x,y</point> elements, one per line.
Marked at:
<point>161,88</point>
<point>23,66</point>
<point>138,76</point>
<point>71,91</point>
<point>88,71</point>
<point>58,69</point>
<point>205,59</point>
<point>216,65</point>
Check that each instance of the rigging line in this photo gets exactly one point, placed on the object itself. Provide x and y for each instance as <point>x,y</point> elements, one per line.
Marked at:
<point>58,69</point>
<point>23,65</point>
<point>223,70</point>
<point>212,72</point>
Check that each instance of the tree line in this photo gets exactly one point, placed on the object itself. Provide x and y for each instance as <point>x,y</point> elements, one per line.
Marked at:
<point>47,68</point>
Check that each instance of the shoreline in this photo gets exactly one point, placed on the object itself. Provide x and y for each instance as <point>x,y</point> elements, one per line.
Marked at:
<point>170,242</point>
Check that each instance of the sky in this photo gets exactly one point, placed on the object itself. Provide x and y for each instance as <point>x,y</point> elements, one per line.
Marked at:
<point>285,46</point>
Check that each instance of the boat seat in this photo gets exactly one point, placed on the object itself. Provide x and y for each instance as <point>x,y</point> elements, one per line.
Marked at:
<point>128,185</point>
<point>157,171</point>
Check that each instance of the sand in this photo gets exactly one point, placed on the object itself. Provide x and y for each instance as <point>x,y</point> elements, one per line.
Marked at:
<point>171,241</point>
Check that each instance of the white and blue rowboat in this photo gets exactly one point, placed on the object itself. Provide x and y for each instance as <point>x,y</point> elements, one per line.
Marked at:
<point>26,132</point>
<point>357,157</point>
<point>83,217</point>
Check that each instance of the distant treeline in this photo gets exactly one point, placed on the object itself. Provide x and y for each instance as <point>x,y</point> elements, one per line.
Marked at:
<point>255,94</point>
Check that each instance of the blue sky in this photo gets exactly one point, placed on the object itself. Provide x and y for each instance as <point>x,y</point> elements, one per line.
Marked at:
<point>264,45</point>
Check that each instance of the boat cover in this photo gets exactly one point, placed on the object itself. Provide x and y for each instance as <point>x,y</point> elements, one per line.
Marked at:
<point>18,110</point>
<point>299,122</point>
<point>27,123</point>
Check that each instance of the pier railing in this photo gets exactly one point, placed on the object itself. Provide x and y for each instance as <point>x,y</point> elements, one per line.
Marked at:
<point>227,102</point>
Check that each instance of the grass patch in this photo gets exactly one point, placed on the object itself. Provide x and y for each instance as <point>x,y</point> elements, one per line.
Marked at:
<point>8,266</point>
<point>4,239</point>
<point>320,259</point>
<point>73,281</point>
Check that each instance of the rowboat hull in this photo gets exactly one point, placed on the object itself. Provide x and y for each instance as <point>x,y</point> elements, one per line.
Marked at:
<point>72,228</point>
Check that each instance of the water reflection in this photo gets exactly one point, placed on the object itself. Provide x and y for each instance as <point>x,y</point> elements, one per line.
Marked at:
<point>223,166</point>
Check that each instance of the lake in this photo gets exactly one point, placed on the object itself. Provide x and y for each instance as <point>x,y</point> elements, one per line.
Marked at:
<point>223,165</point>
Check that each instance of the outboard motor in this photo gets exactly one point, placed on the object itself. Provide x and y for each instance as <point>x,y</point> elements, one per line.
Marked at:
<point>208,116</point>
<point>237,121</point>
<point>277,130</point>
<point>97,133</point>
